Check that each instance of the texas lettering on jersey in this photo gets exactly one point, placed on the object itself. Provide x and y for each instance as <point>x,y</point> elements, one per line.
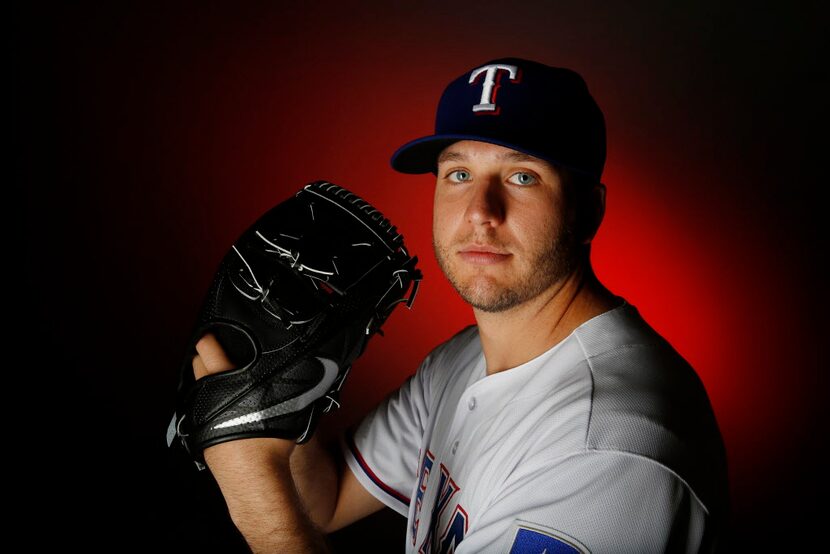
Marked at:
<point>443,533</point>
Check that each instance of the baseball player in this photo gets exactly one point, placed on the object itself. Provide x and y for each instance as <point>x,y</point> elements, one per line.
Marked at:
<point>560,422</point>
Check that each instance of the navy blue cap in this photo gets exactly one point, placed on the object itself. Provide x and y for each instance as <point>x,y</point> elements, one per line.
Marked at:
<point>537,109</point>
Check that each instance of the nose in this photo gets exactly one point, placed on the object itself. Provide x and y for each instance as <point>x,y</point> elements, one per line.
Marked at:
<point>486,203</point>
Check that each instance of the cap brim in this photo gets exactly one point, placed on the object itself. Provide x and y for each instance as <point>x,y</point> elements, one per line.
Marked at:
<point>421,155</point>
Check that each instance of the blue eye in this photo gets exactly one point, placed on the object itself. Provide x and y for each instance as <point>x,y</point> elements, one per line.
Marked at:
<point>459,175</point>
<point>522,178</point>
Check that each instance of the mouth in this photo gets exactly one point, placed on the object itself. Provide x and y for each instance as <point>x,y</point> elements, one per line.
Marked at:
<point>482,254</point>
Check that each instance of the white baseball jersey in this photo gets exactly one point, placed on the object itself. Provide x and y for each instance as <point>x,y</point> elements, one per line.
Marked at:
<point>604,443</point>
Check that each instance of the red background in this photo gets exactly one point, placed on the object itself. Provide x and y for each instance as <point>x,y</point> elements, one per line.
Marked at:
<point>146,139</point>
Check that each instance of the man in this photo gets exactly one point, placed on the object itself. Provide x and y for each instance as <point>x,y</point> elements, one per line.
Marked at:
<point>561,421</point>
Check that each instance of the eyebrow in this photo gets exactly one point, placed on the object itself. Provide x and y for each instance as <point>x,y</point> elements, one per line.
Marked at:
<point>452,155</point>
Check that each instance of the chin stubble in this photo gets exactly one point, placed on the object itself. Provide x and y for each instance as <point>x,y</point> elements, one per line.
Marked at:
<point>549,266</point>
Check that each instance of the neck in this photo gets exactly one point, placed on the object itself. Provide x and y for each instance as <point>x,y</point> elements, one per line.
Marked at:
<point>517,335</point>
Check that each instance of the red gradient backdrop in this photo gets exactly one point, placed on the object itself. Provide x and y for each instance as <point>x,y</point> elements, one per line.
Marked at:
<point>149,139</point>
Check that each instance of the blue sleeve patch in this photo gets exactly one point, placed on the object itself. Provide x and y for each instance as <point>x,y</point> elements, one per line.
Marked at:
<point>534,541</point>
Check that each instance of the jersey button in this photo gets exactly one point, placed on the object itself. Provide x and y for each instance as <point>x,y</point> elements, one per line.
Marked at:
<point>472,403</point>
<point>454,447</point>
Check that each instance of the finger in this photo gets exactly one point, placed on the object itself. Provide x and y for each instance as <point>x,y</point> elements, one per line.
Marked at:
<point>212,355</point>
<point>199,369</point>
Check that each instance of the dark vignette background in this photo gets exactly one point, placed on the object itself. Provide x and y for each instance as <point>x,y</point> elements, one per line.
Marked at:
<point>146,138</point>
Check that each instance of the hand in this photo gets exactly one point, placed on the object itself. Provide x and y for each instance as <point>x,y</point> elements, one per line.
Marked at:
<point>211,359</point>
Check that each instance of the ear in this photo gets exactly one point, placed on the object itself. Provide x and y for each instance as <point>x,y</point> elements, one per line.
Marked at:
<point>594,212</point>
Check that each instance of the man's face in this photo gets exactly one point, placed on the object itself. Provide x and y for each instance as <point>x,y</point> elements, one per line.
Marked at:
<point>500,228</point>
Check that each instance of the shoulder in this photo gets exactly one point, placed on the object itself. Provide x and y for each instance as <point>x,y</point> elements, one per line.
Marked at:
<point>641,387</point>
<point>464,339</point>
<point>648,401</point>
<point>460,350</point>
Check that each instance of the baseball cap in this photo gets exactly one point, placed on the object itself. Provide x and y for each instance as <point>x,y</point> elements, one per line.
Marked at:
<point>541,110</point>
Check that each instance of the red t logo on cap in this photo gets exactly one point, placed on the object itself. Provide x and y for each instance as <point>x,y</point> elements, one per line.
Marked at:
<point>491,87</point>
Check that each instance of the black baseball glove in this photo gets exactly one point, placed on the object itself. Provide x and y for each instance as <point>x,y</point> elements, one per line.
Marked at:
<point>293,304</point>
